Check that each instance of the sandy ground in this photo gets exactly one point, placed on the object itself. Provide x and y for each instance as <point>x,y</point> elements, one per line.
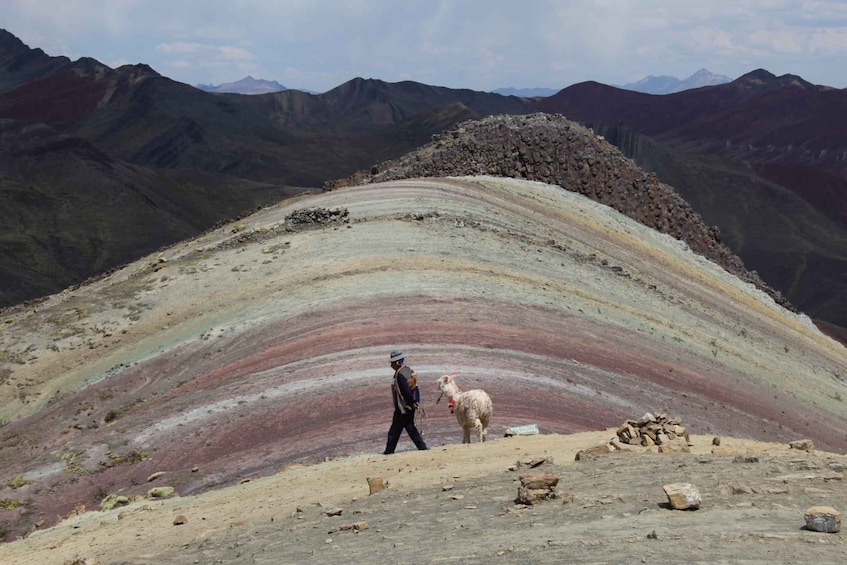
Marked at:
<point>457,504</point>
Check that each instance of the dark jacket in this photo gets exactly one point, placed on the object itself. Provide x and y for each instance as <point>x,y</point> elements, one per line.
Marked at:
<point>405,398</point>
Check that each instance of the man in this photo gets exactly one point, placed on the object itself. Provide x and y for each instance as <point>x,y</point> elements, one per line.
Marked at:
<point>405,403</point>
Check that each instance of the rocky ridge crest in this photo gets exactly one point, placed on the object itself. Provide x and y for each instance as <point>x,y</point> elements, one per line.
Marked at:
<point>549,148</point>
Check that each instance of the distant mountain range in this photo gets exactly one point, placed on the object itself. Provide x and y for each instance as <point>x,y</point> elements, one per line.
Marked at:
<point>247,85</point>
<point>99,166</point>
<point>525,92</point>
<point>667,84</point>
<point>649,85</point>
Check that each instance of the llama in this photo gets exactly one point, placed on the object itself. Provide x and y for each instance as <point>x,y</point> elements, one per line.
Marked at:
<point>472,408</point>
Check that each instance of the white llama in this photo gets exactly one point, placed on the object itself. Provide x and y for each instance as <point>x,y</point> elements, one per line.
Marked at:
<point>472,408</point>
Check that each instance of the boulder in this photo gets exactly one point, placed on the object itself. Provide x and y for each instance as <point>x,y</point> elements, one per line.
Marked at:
<point>676,445</point>
<point>823,519</point>
<point>539,480</point>
<point>802,444</point>
<point>537,487</point>
<point>376,484</point>
<point>113,501</point>
<point>683,496</point>
<point>160,492</point>
<point>593,452</point>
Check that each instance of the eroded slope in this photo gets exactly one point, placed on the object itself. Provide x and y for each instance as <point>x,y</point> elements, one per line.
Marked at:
<point>265,342</point>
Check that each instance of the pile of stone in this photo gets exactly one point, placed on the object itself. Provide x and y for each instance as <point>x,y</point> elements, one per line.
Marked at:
<point>316,216</point>
<point>536,488</point>
<point>653,429</point>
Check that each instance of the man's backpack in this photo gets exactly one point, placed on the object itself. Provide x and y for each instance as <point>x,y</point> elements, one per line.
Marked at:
<point>412,381</point>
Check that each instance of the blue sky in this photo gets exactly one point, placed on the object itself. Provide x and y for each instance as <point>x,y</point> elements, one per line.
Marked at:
<point>477,44</point>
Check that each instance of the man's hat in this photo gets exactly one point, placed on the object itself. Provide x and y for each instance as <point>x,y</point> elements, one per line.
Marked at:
<point>397,355</point>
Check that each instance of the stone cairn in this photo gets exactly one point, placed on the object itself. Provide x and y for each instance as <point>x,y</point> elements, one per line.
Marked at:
<point>653,429</point>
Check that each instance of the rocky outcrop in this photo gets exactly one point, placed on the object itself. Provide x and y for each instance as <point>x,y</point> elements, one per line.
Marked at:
<point>552,149</point>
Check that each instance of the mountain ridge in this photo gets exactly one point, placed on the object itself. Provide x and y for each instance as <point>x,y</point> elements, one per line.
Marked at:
<point>253,150</point>
<point>525,92</point>
<point>665,84</point>
<point>246,85</point>
<point>782,127</point>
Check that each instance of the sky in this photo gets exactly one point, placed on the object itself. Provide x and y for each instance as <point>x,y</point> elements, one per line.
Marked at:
<point>478,44</point>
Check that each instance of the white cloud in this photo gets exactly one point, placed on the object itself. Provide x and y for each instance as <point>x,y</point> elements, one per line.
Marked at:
<point>178,64</point>
<point>778,41</point>
<point>225,52</point>
<point>829,42</point>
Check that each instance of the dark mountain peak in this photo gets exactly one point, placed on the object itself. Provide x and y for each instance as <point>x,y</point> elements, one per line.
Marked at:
<point>359,83</point>
<point>591,93</point>
<point>89,65</point>
<point>758,76</point>
<point>11,42</point>
<point>139,70</point>
<point>362,80</point>
<point>762,77</point>
<point>361,89</point>
<point>15,53</point>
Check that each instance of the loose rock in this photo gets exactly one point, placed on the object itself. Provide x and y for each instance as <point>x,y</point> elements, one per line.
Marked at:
<point>376,484</point>
<point>593,452</point>
<point>823,519</point>
<point>802,445</point>
<point>536,488</point>
<point>160,492</point>
<point>683,496</point>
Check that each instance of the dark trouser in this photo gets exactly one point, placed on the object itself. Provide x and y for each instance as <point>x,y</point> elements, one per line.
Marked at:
<point>398,424</point>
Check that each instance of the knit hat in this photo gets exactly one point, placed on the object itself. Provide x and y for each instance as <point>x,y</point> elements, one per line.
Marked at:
<point>397,355</point>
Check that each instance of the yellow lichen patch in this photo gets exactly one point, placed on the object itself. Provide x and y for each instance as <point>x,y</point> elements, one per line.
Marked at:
<point>8,504</point>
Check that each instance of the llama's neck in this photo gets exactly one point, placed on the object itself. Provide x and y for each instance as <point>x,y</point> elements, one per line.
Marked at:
<point>452,391</point>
